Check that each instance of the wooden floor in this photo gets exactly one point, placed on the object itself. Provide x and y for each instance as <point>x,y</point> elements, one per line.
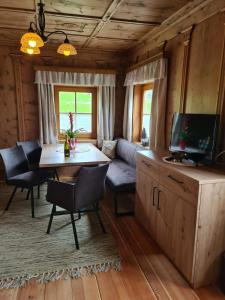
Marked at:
<point>146,274</point>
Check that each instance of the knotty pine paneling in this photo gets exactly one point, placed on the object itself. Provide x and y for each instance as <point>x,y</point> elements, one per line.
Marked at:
<point>175,52</point>
<point>8,108</point>
<point>205,66</point>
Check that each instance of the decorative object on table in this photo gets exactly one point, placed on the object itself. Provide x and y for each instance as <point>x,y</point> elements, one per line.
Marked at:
<point>144,138</point>
<point>66,148</point>
<point>36,37</point>
<point>109,148</point>
<point>44,257</point>
<point>72,134</point>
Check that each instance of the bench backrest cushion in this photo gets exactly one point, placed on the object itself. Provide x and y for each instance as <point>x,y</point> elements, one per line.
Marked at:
<point>127,151</point>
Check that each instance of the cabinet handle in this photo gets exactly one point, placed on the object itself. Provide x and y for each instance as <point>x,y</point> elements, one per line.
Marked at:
<point>158,207</point>
<point>174,179</point>
<point>147,164</point>
<point>153,198</point>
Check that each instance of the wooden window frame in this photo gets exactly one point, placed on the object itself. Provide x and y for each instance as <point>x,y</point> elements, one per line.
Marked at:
<point>93,91</point>
<point>138,109</point>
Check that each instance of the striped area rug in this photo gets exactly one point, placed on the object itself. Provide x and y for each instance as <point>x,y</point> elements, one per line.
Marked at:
<point>27,252</point>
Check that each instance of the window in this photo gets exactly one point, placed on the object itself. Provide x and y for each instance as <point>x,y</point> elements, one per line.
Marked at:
<point>82,103</point>
<point>146,108</point>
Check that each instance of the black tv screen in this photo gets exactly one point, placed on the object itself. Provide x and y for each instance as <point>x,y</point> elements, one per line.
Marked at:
<point>194,133</point>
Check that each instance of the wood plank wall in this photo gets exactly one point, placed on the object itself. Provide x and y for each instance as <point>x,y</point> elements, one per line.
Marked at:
<point>196,77</point>
<point>18,93</point>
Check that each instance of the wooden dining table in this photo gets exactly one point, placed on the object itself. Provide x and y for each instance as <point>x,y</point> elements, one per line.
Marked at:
<point>52,156</point>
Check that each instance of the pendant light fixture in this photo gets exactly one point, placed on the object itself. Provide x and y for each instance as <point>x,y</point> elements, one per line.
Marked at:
<point>36,37</point>
<point>30,50</point>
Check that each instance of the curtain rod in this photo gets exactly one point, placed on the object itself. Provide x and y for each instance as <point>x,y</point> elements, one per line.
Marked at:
<point>74,69</point>
<point>145,61</point>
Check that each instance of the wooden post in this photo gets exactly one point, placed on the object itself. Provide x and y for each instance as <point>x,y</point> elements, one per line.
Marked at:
<point>187,42</point>
<point>19,95</point>
<point>221,97</point>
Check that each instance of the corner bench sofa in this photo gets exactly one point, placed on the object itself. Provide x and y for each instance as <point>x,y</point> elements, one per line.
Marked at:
<point>121,175</point>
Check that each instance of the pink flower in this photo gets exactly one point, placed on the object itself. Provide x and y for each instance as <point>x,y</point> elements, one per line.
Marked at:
<point>71,121</point>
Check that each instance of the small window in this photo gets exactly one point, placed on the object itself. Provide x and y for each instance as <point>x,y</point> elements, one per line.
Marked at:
<point>82,103</point>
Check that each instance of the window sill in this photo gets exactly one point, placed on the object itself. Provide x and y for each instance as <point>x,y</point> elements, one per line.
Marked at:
<point>139,144</point>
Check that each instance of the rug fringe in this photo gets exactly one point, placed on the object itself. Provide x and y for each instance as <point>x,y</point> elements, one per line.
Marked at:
<point>77,272</point>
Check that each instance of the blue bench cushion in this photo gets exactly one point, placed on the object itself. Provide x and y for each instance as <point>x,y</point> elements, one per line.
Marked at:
<point>121,177</point>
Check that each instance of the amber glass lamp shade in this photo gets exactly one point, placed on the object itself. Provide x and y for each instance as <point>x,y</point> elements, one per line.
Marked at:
<point>29,50</point>
<point>31,40</point>
<point>66,49</point>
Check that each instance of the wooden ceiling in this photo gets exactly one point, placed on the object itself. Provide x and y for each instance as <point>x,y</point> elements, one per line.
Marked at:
<point>96,24</point>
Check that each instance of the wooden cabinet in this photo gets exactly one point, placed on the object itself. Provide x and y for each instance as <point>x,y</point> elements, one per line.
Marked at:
<point>183,209</point>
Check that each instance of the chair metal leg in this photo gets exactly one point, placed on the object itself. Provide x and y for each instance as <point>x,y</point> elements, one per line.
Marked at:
<point>28,195</point>
<point>38,191</point>
<point>32,202</point>
<point>99,218</point>
<point>56,174</point>
<point>79,215</point>
<point>51,218</point>
<point>74,231</point>
<point>11,198</point>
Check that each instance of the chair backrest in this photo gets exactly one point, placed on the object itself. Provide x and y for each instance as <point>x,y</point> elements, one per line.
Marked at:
<point>14,160</point>
<point>90,186</point>
<point>127,151</point>
<point>32,150</point>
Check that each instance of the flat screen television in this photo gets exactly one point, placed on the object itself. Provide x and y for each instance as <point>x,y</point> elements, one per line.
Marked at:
<point>195,135</point>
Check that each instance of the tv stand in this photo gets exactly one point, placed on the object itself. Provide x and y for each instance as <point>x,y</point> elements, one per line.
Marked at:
<point>183,211</point>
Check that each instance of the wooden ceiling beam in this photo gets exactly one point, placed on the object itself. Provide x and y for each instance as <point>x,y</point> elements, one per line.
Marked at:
<point>134,22</point>
<point>17,9</point>
<point>79,17</point>
<point>114,5</point>
<point>70,34</point>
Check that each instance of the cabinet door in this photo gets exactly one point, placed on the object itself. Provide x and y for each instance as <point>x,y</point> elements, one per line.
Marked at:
<point>183,226</point>
<point>164,206</point>
<point>152,191</point>
<point>142,201</point>
<point>145,209</point>
<point>176,222</point>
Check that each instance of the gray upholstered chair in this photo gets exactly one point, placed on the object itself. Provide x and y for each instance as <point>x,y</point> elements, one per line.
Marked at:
<point>17,173</point>
<point>78,197</point>
<point>32,149</point>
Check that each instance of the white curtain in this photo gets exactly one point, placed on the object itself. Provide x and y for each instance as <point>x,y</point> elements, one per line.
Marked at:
<point>146,73</point>
<point>71,78</point>
<point>106,113</point>
<point>158,117</point>
<point>128,113</point>
<point>47,117</point>
<point>106,100</point>
<point>157,72</point>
